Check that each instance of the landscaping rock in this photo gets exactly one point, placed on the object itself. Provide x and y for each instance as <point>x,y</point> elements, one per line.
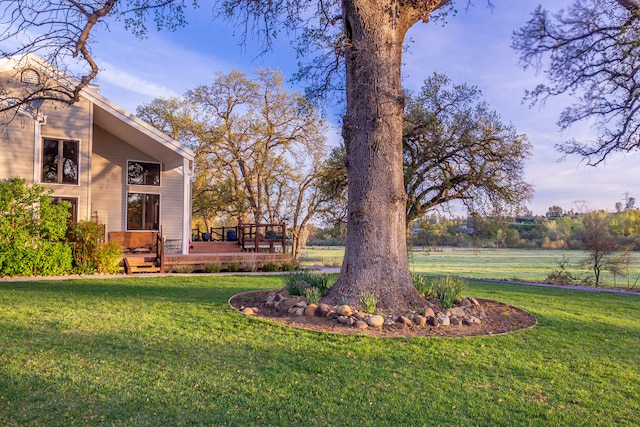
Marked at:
<point>248,311</point>
<point>360,315</point>
<point>310,310</point>
<point>271,299</point>
<point>332,315</point>
<point>344,320</point>
<point>322,310</point>
<point>405,320</point>
<point>428,312</point>
<point>285,304</point>
<point>444,320</point>
<point>456,311</point>
<point>344,310</point>
<point>464,302</point>
<point>419,320</point>
<point>361,324</point>
<point>376,321</point>
<point>432,321</point>
<point>471,320</point>
<point>389,322</point>
<point>298,311</point>
<point>455,321</point>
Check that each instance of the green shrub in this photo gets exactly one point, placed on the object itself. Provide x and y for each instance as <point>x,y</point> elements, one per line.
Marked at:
<point>312,295</point>
<point>290,265</point>
<point>448,290</point>
<point>368,302</point>
<point>560,275</point>
<point>423,284</point>
<point>212,268</point>
<point>108,256</point>
<point>296,281</point>
<point>85,238</point>
<point>233,267</point>
<point>270,266</point>
<point>32,231</point>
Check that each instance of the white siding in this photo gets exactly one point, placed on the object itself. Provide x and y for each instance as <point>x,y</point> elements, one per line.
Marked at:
<point>16,146</point>
<point>73,123</point>
<point>109,185</point>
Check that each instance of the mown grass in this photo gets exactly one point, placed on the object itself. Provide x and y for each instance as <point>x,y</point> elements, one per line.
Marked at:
<point>510,264</point>
<point>170,351</point>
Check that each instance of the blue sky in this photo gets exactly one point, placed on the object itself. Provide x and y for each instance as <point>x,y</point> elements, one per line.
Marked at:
<point>473,47</point>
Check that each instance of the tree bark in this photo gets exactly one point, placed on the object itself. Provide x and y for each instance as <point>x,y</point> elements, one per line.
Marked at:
<point>376,252</point>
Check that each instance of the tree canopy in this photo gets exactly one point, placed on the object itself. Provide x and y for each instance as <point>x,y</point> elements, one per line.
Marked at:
<point>454,148</point>
<point>259,149</point>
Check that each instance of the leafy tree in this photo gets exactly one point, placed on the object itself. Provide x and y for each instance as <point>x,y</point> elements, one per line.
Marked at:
<point>554,212</point>
<point>332,183</point>
<point>597,241</point>
<point>258,136</point>
<point>590,50</point>
<point>367,46</point>
<point>32,231</point>
<point>178,118</point>
<point>454,148</point>
<point>258,149</point>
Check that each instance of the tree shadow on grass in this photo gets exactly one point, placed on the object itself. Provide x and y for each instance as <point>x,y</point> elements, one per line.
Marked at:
<point>172,288</point>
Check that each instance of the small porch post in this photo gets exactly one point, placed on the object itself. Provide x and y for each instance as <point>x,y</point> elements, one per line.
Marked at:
<point>187,174</point>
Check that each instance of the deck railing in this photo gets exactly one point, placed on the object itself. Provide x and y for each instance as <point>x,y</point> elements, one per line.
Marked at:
<point>252,237</point>
<point>262,237</point>
<point>223,234</point>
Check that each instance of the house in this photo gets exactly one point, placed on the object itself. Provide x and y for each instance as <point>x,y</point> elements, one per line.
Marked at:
<point>109,164</point>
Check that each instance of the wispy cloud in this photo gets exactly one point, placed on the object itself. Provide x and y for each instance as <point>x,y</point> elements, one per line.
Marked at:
<point>123,79</point>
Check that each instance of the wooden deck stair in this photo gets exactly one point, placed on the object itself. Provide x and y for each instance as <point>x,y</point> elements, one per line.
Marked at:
<point>147,264</point>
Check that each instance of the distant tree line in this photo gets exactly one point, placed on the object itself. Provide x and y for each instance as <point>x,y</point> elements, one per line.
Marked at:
<point>540,232</point>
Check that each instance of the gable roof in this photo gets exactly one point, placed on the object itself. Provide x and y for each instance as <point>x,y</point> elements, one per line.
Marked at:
<point>115,119</point>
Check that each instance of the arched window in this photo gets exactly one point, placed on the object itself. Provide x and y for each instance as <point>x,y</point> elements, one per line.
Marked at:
<point>30,76</point>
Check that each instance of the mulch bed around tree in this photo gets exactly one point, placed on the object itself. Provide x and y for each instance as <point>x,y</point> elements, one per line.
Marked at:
<point>498,318</point>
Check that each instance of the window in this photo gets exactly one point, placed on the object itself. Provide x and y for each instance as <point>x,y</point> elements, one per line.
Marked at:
<point>73,209</point>
<point>30,76</point>
<point>143,173</point>
<point>143,211</point>
<point>60,161</point>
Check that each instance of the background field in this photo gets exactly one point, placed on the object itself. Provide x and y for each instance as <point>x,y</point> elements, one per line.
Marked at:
<point>509,264</point>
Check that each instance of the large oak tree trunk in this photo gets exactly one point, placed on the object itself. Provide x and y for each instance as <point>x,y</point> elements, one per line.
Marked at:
<point>376,252</point>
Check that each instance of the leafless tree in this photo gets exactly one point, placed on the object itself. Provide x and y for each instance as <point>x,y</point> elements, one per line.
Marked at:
<point>60,33</point>
<point>589,51</point>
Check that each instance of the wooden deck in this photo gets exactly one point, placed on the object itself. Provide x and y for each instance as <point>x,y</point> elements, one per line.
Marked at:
<point>244,261</point>
<point>203,256</point>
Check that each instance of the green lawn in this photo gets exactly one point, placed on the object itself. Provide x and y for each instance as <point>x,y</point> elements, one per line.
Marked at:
<point>510,264</point>
<point>170,351</point>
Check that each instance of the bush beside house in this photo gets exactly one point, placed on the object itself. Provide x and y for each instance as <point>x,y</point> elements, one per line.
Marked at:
<point>35,238</point>
<point>32,231</point>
